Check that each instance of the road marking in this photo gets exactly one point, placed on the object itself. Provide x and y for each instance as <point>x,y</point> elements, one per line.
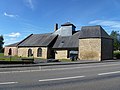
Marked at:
<point>38,70</point>
<point>107,73</point>
<point>57,79</point>
<point>8,83</point>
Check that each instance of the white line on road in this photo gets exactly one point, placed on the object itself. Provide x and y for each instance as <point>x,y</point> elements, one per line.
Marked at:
<point>107,73</point>
<point>8,83</point>
<point>57,79</point>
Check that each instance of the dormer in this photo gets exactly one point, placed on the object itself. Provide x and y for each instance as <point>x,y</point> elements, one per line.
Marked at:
<point>68,25</point>
<point>66,29</point>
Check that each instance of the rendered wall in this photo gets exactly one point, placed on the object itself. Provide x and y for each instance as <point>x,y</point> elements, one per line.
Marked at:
<point>65,31</point>
<point>23,51</point>
<point>90,49</point>
<point>14,51</point>
<point>61,54</point>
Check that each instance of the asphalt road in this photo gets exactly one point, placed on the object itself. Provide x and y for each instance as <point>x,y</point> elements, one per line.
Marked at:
<point>96,76</point>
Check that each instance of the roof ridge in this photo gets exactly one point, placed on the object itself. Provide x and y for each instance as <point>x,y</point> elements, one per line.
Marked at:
<point>24,39</point>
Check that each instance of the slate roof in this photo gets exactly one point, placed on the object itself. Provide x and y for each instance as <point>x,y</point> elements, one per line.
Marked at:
<point>67,41</point>
<point>38,40</point>
<point>62,41</point>
<point>93,32</point>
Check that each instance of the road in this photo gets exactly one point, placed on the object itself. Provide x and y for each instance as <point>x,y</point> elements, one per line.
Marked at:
<point>95,76</point>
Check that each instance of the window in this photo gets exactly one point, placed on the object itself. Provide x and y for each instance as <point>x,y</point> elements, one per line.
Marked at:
<point>72,53</point>
<point>68,53</point>
<point>10,52</point>
<point>39,52</point>
<point>30,53</point>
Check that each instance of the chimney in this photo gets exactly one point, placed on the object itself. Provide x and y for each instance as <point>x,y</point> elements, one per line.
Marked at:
<point>56,27</point>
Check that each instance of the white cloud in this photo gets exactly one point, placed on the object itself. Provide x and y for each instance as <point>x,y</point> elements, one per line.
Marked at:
<point>14,34</point>
<point>9,15</point>
<point>29,3</point>
<point>10,40</point>
<point>107,23</point>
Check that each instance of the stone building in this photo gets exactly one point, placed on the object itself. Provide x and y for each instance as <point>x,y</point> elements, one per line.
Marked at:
<point>11,50</point>
<point>95,44</point>
<point>89,43</point>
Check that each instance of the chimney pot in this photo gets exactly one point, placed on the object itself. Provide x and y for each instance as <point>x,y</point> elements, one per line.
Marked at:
<point>56,27</point>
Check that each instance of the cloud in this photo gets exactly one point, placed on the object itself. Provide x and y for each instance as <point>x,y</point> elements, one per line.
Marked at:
<point>29,3</point>
<point>11,38</point>
<point>9,15</point>
<point>14,34</point>
<point>107,23</point>
<point>9,41</point>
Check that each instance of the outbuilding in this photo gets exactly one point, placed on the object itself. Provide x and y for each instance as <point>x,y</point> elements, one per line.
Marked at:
<point>89,43</point>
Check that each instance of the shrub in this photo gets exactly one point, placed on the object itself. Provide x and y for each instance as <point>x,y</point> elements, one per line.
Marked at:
<point>117,54</point>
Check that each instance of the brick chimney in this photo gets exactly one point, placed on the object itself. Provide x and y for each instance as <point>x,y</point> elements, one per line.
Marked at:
<point>56,27</point>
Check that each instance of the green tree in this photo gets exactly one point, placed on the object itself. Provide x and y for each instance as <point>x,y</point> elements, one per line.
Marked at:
<point>114,35</point>
<point>1,43</point>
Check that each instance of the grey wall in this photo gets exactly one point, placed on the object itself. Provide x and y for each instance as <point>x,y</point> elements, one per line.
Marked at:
<point>65,31</point>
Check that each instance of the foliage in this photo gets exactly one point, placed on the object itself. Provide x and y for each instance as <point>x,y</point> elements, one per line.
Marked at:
<point>1,43</point>
<point>117,54</point>
<point>114,35</point>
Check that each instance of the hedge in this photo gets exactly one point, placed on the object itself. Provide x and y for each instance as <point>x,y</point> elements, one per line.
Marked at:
<point>117,54</point>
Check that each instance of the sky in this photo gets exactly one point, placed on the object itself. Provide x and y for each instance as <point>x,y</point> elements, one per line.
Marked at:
<point>20,18</point>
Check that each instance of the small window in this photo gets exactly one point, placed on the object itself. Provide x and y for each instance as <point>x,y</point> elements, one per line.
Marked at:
<point>39,52</point>
<point>10,52</point>
<point>68,53</point>
<point>30,53</point>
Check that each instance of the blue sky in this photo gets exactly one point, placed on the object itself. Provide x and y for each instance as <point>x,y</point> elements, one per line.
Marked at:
<point>19,18</point>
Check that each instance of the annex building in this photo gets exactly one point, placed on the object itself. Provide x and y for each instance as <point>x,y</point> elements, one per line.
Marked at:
<point>89,43</point>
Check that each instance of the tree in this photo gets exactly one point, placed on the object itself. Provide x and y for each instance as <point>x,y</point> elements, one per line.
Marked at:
<point>1,43</point>
<point>115,35</point>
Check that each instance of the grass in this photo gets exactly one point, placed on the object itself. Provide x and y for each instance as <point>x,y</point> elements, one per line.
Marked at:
<point>66,60</point>
<point>9,58</point>
<point>15,58</point>
<point>1,54</point>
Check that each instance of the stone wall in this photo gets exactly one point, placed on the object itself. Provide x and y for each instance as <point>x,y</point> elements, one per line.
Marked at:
<point>107,48</point>
<point>23,51</point>
<point>13,49</point>
<point>90,49</point>
<point>61,54</point>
